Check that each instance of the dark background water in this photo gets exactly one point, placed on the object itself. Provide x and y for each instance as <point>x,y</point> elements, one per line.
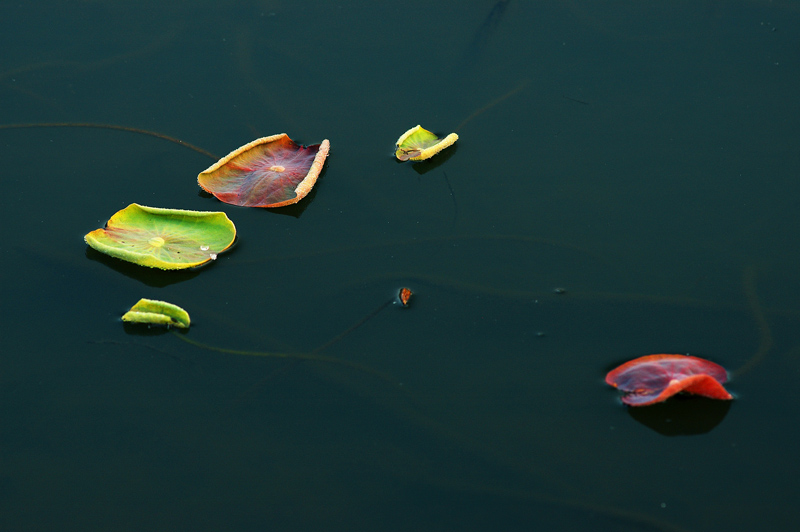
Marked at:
<point>642,156</point>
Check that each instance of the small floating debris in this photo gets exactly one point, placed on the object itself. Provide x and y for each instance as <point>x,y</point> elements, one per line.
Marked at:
<point>404,296</point>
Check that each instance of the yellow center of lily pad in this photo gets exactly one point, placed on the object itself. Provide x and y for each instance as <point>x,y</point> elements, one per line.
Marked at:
<point>277,168</point>
<point>156,242</point>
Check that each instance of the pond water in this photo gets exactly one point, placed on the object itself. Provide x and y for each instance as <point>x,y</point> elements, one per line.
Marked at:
<point>625,183</point>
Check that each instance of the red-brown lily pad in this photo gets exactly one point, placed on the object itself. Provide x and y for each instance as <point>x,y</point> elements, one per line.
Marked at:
<point>654,378</point>
<point>268,172</point>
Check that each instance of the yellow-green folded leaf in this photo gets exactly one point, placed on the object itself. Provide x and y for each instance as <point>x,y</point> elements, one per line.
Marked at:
<point>418,144</point>
<point>155,312</point>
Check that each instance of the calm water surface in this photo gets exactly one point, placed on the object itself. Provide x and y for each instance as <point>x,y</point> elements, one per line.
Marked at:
<point>640,157</point>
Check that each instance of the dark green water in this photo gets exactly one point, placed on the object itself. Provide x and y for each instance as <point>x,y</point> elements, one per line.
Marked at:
<point>643,156</point>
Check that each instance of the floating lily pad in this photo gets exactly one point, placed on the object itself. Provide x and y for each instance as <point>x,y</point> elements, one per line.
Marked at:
<point>155,312</point>
<point>655,378</point>
<point>418,144</point>
<point>268,172</point>
<point>170,239</point>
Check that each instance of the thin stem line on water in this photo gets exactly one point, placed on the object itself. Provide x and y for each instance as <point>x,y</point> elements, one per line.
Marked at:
<point>762,325</point>
<point>115,128</point>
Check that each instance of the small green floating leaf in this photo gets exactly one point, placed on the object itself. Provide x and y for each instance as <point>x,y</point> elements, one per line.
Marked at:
<point>155,312</point>
<point>170,239</point>
<point>418,144</point>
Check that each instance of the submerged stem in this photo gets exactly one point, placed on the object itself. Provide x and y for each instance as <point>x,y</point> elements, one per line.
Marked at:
<point>764,331</point>
<point>117,128</point>
<point>296,356</point>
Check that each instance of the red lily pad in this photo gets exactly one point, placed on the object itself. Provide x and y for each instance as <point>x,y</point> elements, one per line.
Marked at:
<point>655,378</point>
<point>268,172</point>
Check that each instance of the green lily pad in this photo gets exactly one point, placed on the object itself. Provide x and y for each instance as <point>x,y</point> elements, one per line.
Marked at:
<point>155,312</point>
<point>170,239</point>
<point>418,144</point>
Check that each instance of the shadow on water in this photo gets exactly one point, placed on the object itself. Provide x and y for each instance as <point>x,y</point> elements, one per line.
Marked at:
<point>682,415</point>
<point>147,276</point>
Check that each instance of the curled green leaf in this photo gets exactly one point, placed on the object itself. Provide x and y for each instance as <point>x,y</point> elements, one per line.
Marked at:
<point>418,144</point>
<point>155,312</point>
